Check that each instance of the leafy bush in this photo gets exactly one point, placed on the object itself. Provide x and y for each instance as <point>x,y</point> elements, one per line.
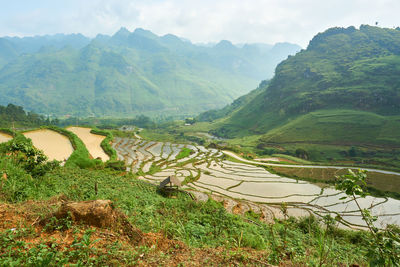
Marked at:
<point>21,151</point>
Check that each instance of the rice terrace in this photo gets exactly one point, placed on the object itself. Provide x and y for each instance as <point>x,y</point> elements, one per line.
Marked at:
<point>207,170</point>
<point>245,184</point>
<point>55,146</point>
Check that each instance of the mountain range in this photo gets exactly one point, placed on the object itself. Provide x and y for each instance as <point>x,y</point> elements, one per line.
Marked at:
<point>130,73</point>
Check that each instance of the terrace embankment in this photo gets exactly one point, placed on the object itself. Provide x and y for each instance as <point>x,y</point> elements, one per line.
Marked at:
<point>91,141</point>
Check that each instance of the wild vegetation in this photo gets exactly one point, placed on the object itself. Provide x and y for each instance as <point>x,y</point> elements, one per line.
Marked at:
<point>175,229</point>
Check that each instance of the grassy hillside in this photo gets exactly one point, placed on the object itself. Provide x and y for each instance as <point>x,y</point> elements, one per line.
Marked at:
<point>343,91</point>
<point>343,127</point>
<point>341,69</point>
<point>130,73</point>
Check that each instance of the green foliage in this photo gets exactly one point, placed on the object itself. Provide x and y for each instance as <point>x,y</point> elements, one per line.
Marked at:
<point>185,152</point>
<point>117,165</point>
<point>14,252</point>
<point>342,90</point>
<point>352,183</point>
<point>21,151</point>
<point>8,131</point>
<point>15,116</point>
<point>384,247</point>
<point>197,224</point>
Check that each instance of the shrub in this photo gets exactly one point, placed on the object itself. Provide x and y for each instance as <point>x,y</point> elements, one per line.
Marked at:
<point>21,151</point>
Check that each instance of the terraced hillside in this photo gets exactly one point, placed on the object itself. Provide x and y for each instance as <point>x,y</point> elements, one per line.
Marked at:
<point>243,186</point>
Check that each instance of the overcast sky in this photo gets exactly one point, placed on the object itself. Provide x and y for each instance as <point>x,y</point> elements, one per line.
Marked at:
<point>240,21</point>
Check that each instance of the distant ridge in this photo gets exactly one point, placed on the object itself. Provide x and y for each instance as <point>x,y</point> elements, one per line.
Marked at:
<point>129,73</point>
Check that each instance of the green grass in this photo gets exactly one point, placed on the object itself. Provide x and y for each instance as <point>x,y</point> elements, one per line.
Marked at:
<point>295,159</point>
<point>185,152</point>
<point>343,127</point>
<point>196,224</point>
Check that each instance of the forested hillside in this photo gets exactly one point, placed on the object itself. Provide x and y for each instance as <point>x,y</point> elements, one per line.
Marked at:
<point>130,73</point>
<point>12,115</point>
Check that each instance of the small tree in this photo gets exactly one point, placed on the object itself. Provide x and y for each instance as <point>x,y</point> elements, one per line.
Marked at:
<point>384,248</point>
<point>301,153</point>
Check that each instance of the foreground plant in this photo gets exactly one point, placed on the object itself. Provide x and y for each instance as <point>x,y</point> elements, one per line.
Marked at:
<point>22,152</point>
<point>384,248</point>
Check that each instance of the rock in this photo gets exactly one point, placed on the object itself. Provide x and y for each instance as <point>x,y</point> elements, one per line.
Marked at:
<point>98,213</point>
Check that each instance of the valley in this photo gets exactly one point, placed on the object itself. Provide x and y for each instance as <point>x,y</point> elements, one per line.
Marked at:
<point>303,169</point>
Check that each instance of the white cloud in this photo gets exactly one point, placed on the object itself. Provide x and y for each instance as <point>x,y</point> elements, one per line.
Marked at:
<point>240,21</point>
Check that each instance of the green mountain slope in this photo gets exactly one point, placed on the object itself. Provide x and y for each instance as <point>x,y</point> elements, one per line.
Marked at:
<point>131,73</point>
<point>344,89</point>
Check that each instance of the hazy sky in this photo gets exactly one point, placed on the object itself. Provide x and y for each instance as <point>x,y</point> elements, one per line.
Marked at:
<point>239,21</point>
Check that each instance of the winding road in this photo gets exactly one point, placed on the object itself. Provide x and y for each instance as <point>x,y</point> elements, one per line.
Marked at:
<point>233,155</point>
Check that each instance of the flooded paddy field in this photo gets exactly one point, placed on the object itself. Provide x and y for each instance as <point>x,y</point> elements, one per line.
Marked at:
<point>5,137</point>
<point>91,141</point>
<point>54,145</point>
<point>250,187</point>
